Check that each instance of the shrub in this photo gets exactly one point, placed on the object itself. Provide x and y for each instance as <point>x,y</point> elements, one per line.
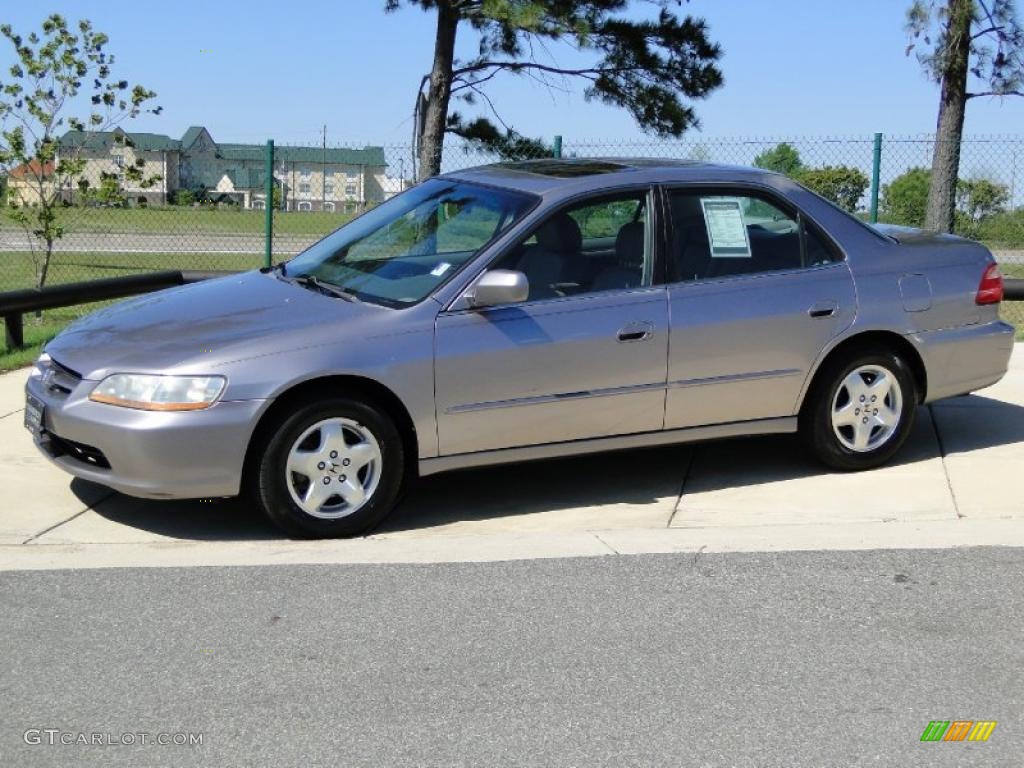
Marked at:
<point>783,158</point>
<point>841,184</point>
<point>905,198</point>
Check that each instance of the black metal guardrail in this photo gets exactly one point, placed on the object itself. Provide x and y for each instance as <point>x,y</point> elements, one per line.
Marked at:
<point>1013,289</point>
<point>14,304</point>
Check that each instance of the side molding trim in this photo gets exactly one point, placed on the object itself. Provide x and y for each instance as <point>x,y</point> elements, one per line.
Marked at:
<point>432,466</point>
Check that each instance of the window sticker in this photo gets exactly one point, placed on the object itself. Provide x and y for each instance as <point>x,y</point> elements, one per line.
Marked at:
<point>440,269</point>
<point>727,234</point>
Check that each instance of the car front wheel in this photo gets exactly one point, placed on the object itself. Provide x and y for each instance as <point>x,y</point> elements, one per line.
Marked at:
<point>332,468</point>
<point>860,411</point>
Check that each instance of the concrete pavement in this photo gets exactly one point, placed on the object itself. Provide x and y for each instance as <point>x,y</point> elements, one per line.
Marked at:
<point>954,484</point>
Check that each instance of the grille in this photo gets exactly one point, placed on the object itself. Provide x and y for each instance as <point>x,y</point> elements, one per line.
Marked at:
<point>60,380</point>
<point>86,454</point>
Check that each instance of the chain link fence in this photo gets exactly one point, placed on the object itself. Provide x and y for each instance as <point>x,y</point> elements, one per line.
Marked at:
<point>196,204</point>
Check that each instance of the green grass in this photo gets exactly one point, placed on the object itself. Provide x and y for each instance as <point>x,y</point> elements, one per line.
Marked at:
<point>16,272</point>
<point>16,269</point>
<point>1012,270</point>
<point>197,221</point>
<point>40,330</point>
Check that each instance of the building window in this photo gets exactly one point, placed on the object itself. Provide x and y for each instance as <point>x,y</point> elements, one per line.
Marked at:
<point>305,173</point>
<point>350,189</point>
<point>329,174</point>
<point>329,207</point>
<point>351,174</point>
<point>304,206</point>
<point>119,160</point>
<point>304,189</point>
<point>257,205</point>
<point>328,189</point>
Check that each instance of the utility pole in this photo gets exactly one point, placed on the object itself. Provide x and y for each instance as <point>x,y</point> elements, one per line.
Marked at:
<point>323,174</point>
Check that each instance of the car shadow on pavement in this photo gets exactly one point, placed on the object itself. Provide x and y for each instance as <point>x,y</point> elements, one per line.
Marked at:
<point>632,488</point>
<point>948,427</point>
<point>190,519</point>
<point>621,485</point>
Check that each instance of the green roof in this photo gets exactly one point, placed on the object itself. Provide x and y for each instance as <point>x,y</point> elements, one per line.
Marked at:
<point>335,156</point>
<point>146,142</point>
<point>246,178</point>
<point>156,142</point>
<point>191,135</point>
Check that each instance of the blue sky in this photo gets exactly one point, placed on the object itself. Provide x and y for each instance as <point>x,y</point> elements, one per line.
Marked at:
<point>253,70</point>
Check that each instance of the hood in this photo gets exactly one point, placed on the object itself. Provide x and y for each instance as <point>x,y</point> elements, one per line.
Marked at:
<point>203,326</point>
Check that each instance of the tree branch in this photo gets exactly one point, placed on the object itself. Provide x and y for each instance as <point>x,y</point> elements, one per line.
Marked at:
<point>984,32</point>
<point>995,93</point>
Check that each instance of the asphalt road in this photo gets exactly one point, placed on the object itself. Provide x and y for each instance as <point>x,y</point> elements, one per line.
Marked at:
<point>802,659</point>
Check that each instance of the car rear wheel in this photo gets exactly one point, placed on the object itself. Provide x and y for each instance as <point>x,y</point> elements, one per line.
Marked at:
<point>860,410</point>
<point>332,468</point>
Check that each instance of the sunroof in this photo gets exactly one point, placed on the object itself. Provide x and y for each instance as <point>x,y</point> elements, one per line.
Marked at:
<point>564,169</point>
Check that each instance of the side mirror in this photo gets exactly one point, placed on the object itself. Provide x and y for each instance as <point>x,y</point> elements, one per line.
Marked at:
<point>499,286</point>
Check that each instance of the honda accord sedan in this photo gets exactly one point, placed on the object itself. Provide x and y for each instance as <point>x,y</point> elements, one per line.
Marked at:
<point>522,311</point>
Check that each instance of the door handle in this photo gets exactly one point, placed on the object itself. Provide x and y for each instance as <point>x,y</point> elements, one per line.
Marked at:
<point>638,331</point>
<point>823,309</point>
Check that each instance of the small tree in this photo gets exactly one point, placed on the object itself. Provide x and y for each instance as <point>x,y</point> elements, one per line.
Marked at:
<point>52,70</point>
<point>841,184</point>
<point>977,199</point>
<point>905,198</point>
<point>782,158</point>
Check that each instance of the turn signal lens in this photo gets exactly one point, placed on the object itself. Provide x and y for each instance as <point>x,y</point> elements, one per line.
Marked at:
<point>990,290</point>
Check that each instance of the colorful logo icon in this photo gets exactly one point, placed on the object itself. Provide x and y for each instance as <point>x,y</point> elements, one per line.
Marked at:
<point>958,730</point>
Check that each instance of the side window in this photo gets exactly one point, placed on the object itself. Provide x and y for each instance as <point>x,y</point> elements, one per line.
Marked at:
<point>597,245</point>
<point>717,235</point>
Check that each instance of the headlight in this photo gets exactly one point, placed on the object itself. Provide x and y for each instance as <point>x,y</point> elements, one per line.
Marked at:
<point>42,362</point>
<point>159,393</point>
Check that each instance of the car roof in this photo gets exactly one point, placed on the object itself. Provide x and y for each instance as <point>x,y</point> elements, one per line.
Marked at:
<point>594,173</point>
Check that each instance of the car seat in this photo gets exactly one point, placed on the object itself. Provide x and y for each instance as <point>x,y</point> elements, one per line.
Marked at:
<point>629,253</point>
<point>555,259</point>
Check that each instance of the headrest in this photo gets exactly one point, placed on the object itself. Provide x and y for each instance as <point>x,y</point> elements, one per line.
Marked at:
<point>561,235</point>
<point>629,243</point>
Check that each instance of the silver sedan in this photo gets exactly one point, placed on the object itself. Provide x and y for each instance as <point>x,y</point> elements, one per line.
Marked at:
<point>522,311</point>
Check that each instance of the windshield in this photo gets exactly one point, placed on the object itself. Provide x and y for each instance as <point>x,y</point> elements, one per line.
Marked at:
<point>402,250</point>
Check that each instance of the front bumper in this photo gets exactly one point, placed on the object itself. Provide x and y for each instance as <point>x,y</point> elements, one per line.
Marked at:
<point>151,454</point>
<point>965,359</point>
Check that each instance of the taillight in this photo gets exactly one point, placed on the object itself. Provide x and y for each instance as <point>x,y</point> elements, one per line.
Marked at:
<point>990,290</point>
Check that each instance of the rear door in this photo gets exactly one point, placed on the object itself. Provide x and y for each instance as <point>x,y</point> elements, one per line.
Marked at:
<point>585,355</point>
<point>757,293</point>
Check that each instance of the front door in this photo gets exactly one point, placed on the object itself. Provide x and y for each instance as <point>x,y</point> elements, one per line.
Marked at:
<point>583,357</point>
<point>758,294</point>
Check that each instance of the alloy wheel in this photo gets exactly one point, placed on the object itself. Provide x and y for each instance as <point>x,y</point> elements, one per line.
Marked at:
<point>333,468</point>
<point>867,408</point>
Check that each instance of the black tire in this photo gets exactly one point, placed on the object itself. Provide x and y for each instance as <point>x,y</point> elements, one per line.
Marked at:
<point>270,481</point>
<point>815,423</point>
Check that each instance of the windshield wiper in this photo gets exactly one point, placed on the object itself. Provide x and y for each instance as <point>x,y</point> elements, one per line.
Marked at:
<point>312,281</point>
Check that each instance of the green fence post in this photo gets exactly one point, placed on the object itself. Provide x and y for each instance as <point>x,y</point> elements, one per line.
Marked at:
<point>268,205</point>
<point>556,150</point>
<point>876,168</point>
